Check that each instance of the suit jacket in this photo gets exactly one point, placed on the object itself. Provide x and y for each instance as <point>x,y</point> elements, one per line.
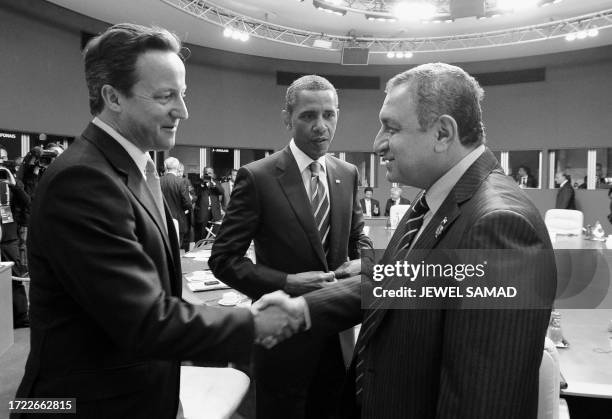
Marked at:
<point>208,202</point>
<point>375,207</point>
<point>108,325</point>
<point>566,197</point>
<point>390,203</point>
<point>270,206</point>
<point>529,183</point>
<point>433,363</point>
<point>227,193</point>
<point>176,195</point>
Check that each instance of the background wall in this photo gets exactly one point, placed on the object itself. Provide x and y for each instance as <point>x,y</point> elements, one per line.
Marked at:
<point>234,101</point>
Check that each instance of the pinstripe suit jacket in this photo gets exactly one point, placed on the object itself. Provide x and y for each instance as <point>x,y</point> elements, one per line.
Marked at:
<point>454,363</point>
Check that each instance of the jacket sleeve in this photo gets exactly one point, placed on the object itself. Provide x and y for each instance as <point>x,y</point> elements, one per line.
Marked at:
<point>228,261</point>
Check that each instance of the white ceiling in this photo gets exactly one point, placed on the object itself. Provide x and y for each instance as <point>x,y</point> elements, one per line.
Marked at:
<point>303,15</point>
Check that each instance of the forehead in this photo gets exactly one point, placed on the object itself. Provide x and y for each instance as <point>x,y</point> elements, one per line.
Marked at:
<point>160,69</point>
<point>398,103</point>
<point>315,99</point>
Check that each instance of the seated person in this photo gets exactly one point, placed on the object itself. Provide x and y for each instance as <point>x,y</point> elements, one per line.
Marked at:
<point>524,178</point>
<point>369,206</point>
<point>396,199</point>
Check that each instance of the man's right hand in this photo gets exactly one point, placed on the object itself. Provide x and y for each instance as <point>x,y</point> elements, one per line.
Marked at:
<point>303,282</point>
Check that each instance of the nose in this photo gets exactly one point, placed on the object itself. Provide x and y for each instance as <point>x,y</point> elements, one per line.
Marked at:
<point>319,124</point>
<point>381,143</point>
<point>180,111</point>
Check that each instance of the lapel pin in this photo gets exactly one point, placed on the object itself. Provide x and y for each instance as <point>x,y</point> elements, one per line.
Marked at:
<point>337,180</point>
<point>441,227</point>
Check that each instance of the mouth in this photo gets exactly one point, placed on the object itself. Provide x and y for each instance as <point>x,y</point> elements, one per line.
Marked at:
<point>172,128</point>
<point>320,139</point>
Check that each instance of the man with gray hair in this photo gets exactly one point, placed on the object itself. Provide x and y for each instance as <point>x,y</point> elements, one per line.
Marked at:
<point>176,194</point>
<point>301,208</point>
<point>425,360</point>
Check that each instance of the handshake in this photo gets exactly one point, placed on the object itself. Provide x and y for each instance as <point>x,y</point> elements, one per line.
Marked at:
<point>277,316</point>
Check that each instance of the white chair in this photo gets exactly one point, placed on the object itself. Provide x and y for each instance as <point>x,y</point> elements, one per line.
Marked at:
<point>211,393</point>
<point>396,213</point>
<point>564,221</point>
<point>550,404</point>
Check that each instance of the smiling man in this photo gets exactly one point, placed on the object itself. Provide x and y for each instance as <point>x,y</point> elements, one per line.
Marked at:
<point>432,362</point>
<point>108,324</point>
<point>300,207</point>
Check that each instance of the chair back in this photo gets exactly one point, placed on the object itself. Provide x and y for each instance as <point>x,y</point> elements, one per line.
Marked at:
<point>396,213</point>
<point>564,221</point>
<point>549,388</point>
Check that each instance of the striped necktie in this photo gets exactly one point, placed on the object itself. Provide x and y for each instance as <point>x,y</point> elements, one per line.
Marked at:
<point>155,187</point>
<point>320,203</point>
<point>400,241</point>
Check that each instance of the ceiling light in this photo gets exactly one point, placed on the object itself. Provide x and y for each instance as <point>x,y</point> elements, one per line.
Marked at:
<point>227,32</point>
<point>390,54</point>
<point>581,34</point>
<point>570,37</point>
<point>322,43</point>
<point>399,54</point>
<point>408,54</point>
<point>329,8</point>
<point>414,10</point>
<point>379,18</point>
<point>593,32</point>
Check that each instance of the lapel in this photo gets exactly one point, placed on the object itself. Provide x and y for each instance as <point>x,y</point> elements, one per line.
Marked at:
<point>339,200</point>
<point>290,181</point>
<point>446,215</point>
<point>124,165</point>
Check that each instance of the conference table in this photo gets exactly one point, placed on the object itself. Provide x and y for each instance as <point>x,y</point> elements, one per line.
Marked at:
<point>584,301</point>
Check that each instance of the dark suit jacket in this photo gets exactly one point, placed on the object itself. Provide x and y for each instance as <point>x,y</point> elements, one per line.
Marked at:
<point>375,206</point>
<point>208,209</point>
<point>270,206</point>
<point>432,363</point>
<point>566,197</point>
<point>108,325</point>
<point>176,194</point>
<point>390,203</point>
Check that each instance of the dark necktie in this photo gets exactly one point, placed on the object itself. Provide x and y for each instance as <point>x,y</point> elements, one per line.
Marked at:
<point>155,188</point>
<point>320,203</point>
<point>400,241</point>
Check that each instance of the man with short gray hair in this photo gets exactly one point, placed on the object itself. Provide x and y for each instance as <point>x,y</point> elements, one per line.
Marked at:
<point>176,194</point>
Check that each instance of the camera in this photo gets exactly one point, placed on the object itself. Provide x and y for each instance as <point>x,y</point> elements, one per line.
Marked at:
<point>206,178</point>
<point>47,157</point>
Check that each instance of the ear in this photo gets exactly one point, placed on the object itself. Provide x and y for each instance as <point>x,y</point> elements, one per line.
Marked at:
<point>111,98</point>
<point>446,132</point>
<point>286,116</point>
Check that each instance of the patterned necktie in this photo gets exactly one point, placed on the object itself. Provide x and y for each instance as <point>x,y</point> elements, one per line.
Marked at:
<point>155,187</point>
<point>320,203</point>
<point>400,241</point>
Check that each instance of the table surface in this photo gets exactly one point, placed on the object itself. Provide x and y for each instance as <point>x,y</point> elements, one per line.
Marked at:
<point>587,363</point>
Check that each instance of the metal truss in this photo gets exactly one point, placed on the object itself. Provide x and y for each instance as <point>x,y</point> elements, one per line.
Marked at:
<point>223,17</point>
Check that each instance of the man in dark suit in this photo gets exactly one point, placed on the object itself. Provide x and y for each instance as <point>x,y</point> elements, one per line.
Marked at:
<point>395,199</point>
<point>301,208</point>
<point>209,194</point>
<point>108,324</point>
<point>369,206</point>
<point>445,363</point>
<point>565,195</point>
<point>176,194</point>
<point>228,188</point>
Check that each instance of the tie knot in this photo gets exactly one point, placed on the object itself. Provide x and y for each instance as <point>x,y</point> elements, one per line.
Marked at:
<point>315,168</point>
<point>150,169</point>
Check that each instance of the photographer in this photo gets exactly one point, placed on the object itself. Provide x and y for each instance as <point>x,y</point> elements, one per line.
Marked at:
<point>208,203</point>
<point>13,201</point>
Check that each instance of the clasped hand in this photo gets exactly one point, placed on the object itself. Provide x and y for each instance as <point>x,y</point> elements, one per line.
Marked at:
<point>277,317</point>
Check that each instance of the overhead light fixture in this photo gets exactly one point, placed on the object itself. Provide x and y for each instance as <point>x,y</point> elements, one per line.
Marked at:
<point>379,18</point>
<point>593,32</point>
<point>582,34</point>
<point>399,54</point>
<point>322,43</point>
<point>414,10</point>
<point>328,8</point>
<point>236,34</point>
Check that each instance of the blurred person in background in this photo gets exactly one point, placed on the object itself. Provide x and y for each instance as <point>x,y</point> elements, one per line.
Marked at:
<point>369,206</point>
<point>176,194</point>
<point>13,202</point>
<point>395,199</point>
<point>565,195</point>
<point>209,194</point>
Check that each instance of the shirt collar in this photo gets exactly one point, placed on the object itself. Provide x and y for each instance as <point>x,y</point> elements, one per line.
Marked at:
<point>302,160</point>
<point>438,192</point>
<point>135,153</point>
